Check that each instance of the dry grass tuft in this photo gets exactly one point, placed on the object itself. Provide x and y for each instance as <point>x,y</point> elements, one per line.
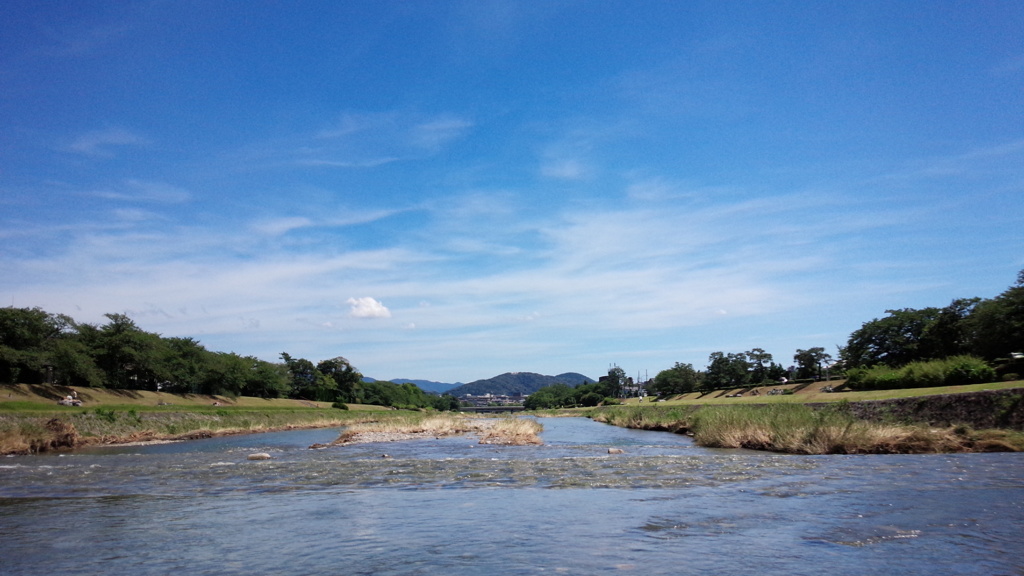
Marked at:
<point>508,431</point>
<point>34,436</point>
<point>798,429</point>
<point>512,432</point>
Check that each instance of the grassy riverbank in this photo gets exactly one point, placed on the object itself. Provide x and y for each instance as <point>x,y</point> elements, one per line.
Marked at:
<point>31,421</point>
<point>26,432</point>
<point>815,392</point>
<point>799,429</point>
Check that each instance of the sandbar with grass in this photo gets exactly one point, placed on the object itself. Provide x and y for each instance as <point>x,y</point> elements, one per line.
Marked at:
<point>508,431</point>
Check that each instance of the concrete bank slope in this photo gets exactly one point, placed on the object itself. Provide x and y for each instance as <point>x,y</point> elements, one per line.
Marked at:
<point>979,410</point>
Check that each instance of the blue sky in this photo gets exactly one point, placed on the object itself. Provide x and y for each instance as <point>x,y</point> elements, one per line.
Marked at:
<point>453,190</point>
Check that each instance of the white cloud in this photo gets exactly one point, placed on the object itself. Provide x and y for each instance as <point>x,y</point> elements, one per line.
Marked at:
<point>483,276</point>
<point>279,226</point>
<point>328,217</point>
<point>369,140</point>
<point>565,169</point>
<point>145,191</point>
<point>364,163</point>
<point>435,133</point>
<point>99,143</point>
<point>367,307</point>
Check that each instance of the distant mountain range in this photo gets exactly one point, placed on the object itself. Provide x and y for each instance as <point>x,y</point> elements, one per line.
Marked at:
<point>514,383</point>
<point>429,385</point>
<point>510,384</point>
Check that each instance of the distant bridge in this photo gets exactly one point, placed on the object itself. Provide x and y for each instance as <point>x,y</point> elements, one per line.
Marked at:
<point>492,409</point>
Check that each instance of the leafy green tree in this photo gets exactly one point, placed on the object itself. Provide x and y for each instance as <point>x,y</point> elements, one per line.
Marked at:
<point>554,396</point>
<point>776,372</point>
<point>726,371</point>
<point>186,363</point>
<point>265,379</point>
<point>615,381</point>
<point>445,403</point>
<point>894,340</point>
<point>307,382</point>
<point>996,326</point>
<point>810,362</point>
<point>34,345</point>
<point>26,328</point>
<point>949,334</point>
<point>72,364</point>
<point>760,363</point>
<point>225,374</point>
<point>679,379</point>
<point>129,356</point>
<point>346,378</point>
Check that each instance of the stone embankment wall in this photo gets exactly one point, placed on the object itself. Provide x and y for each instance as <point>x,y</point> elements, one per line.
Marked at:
<point>989,409</point>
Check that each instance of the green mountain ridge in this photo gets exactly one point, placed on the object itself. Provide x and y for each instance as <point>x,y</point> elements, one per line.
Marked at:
<point>518,383</point>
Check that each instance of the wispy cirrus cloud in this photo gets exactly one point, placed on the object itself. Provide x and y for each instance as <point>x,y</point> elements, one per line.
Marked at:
<point>360,141</point>
<point>434,133</point>
<point>365,163</point>
<point>371,139</point>
<point>1009,66</point>
<point>326,217</point>
<point>133,190</point>
<point>279,226</point>
<point>565,169</point>
<point>104,143</point>
<point>669,259</point>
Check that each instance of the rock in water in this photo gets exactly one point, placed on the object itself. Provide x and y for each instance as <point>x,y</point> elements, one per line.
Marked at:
<point>259,456</point>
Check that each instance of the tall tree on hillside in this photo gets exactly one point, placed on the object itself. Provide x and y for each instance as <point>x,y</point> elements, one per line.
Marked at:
<point>810,362</point>
<point>35,343</point>
<point>265,379</point>
<point>307,382</point>
<point>129,356</point>
<point>679,379</point>
<point>760,362</point>
<point>894,340</point>
<point>226,374</point>
<point>346,378</point>
<point>949,333</point>
<point>186,363</point>
<point>726,371</point>
<point>615,382</point>
<point>997,325</point>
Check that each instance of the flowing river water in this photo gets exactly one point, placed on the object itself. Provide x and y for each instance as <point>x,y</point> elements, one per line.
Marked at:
<point>450,506</point>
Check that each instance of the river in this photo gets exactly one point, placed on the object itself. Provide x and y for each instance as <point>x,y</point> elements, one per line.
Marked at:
<point>451,506</point>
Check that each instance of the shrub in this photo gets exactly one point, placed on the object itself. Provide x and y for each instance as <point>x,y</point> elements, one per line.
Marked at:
<point>340,406</point>
<point>108,414</point>
<point>953,371</point>
<point>590,399</point>
<point>968,370</point>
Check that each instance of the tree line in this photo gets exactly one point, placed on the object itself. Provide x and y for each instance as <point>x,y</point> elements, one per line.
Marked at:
<point>559,395</point>
<point>37,347</point>
<point>754,367</point>
<point>970,340</point>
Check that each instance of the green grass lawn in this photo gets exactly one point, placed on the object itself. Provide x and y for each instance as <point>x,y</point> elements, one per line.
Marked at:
<point>813,393</point>
<point>26,397</point>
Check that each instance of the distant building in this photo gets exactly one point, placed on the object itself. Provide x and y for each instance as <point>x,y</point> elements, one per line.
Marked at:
<point>493,400</point>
